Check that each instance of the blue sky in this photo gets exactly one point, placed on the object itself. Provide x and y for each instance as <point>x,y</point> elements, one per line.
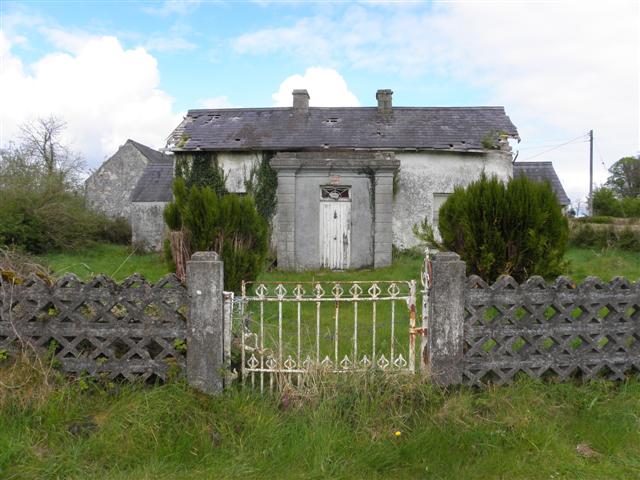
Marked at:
<point>115,70</point>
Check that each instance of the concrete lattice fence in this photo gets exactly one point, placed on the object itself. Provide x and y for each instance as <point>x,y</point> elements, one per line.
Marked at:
<point>476,333</point>
<point>132,330</point>
<point>482,333</point>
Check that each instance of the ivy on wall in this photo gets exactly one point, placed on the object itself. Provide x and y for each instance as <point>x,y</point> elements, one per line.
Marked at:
<point>201,170</point>
<point>262,184</point>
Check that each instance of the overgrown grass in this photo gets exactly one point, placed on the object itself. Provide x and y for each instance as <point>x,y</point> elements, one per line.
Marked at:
<point>116,261</point>
<point>340,427</point>
<point>106,258</point>
<point>606,264</point>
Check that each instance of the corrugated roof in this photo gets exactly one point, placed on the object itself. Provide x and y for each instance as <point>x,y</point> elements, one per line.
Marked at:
<point>540,172</point>
<point>442,128</point>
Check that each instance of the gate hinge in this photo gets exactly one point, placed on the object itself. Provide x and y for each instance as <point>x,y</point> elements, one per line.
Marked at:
<point>420,330</point>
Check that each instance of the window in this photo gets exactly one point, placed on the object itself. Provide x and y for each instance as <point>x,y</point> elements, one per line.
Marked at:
<point>438,201</point>
<point>338,194</point>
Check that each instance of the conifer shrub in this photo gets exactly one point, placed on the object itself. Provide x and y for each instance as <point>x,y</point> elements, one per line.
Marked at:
<point>516,228</point>
<point>228,224</point>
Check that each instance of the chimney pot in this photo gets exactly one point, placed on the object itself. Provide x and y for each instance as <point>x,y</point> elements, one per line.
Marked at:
<point>301,101</point>
<point>384,100</point>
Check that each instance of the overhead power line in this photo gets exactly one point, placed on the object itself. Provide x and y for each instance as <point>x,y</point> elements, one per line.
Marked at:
<point>581,137</point>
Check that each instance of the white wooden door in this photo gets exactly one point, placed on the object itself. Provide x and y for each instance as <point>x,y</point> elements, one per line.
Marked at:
<point>335,234</point>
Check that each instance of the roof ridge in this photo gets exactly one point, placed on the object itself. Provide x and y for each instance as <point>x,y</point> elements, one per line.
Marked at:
<point>151,154</point>
<point>399,107</point>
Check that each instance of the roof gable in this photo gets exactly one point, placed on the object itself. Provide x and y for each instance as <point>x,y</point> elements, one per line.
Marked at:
<point>541,172</point>
<point>152,155</point>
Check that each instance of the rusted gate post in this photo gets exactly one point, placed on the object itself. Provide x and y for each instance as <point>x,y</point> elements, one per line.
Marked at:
<point>445,323</point>
<point>205,344</point>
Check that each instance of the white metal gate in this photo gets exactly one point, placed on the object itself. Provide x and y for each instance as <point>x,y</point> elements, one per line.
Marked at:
<point>288,329</point>
<point>335,228</point>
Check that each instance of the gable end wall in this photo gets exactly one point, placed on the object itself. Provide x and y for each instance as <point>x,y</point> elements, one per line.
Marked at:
<point>423,174</point>
<point>109,189</point>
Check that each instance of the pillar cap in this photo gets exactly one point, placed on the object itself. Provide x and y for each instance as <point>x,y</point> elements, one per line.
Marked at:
<point>205,257</point>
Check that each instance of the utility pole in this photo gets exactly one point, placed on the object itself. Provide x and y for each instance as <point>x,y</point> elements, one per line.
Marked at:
<point>591,172</point>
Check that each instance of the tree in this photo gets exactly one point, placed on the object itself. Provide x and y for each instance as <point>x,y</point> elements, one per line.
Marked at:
<point>42,208</point>
<point>515,228</point>
<point>624,180</point>
<point>198,220</point>
<point>606,203</point>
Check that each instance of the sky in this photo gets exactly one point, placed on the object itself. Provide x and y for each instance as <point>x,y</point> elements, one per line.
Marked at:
<point>125,69</point>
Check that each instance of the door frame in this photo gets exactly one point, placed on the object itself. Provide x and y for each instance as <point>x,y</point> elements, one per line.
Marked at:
<point>335,194</point>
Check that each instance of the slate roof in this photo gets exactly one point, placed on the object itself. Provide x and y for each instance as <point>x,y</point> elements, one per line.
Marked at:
<point>151,154</point>
<point>540,172</point>
<point>155,183</point>
<point>282,129</point>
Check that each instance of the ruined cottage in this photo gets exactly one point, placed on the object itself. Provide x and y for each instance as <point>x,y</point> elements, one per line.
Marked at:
<point>124,185</point>
<point>352,181</point>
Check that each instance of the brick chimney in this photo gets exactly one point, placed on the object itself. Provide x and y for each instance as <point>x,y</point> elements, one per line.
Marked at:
<point>384,101</point>
<point>300,101</point>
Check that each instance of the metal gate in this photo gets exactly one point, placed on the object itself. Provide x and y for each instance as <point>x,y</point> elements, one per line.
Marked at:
<point>289,329</point>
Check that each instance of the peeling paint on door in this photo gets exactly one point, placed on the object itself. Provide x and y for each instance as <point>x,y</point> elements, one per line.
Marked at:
<point>335,232</point>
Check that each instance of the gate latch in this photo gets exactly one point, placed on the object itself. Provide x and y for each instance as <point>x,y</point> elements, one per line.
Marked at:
<point>419,330</point>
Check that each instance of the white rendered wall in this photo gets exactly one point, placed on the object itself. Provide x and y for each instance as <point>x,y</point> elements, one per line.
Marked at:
<point>237,167</point>
<point>424,173</point>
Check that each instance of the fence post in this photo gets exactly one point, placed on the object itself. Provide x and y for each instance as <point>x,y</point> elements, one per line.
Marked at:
<point>205,343</point>
<point>446,319</point>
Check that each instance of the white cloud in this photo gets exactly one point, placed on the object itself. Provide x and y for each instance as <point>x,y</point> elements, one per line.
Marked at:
<point>326,88</point>
<point>559,68</point>
<point>104,93</point>
<point>165,44</point>
<point>216,102</point>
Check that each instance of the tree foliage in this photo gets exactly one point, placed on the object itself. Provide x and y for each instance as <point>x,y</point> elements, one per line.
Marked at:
<point>516,228</point>
<point>227,224</point>
<point>42,207</point>
<point>624,180</point>
<point>605,202</point>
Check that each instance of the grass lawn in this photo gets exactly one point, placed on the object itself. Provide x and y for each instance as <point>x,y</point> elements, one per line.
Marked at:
<point>351,427</point>
<point>606,264</point>
<point>117,261</point>
<point>344,427</point>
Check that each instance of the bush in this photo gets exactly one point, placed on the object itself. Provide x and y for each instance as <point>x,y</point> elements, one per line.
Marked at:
<point>630,207</point>
<point>116,230</point>
<point>229,225</point>
<point>606,203</point>
<point>515,228</point>
<point>47,219</point>
<point>51,218</point>
<point>598,219</point>
<point>42,207</point>
<point>586,236</point>
<point>629,240</point>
